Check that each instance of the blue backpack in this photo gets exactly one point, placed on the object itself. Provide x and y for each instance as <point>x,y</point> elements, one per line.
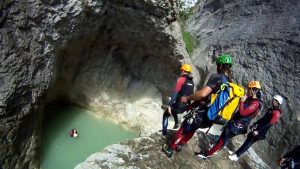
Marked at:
<point>225,102</point>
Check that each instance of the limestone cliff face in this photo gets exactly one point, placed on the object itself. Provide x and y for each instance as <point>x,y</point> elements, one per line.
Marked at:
<point>113,56</point>
<point>25,73</point>
<point>120,58</point>
<point>263,38</point>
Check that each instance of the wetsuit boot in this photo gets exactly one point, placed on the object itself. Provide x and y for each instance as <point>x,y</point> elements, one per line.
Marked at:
<point>176,125</point>
<point>167,150</point>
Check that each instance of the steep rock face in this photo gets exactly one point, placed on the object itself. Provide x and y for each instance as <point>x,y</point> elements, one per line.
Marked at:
<point>263,38</point>
<point>115,65</point>
<point>110,55</point>
<point>25,73</point>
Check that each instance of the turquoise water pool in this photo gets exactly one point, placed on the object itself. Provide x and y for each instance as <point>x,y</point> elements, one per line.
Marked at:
<point>60,151</point>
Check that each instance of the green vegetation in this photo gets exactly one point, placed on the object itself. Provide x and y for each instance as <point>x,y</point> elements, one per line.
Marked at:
<point>188,40</point>
<point>184,14</point>
<point>186,8</point>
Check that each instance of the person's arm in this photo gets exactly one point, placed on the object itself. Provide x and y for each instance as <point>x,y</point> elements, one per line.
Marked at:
<point>176,90</point>
<point>191,106</point>
<point>275,117</point>
<point>201,94</point>
<point>253,107</point>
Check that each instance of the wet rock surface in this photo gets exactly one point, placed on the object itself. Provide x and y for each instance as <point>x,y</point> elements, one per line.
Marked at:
<point>145,152</point>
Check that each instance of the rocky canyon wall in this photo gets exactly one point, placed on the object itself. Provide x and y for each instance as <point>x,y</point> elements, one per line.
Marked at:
<point>26,72</point>
<point>113,63</point>
<point>119,58</point>
<point>263,37</point>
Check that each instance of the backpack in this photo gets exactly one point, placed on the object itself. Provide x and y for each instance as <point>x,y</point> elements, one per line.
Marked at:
<point>224,102</point>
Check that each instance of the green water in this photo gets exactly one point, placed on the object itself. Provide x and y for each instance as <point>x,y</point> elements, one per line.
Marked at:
<point>60,151</point>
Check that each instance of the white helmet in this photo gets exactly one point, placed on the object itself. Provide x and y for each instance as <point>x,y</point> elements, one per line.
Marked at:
<point>278,98</point>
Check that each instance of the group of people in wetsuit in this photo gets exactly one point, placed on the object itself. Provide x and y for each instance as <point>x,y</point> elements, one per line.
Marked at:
<point>184,99</point>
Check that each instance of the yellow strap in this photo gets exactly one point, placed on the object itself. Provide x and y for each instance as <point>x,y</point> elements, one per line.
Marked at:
<point>222,87</point>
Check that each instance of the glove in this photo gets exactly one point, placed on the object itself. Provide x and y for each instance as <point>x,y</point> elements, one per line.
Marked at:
<point>255,133</point>
<point>253,127</point>
<point>281,161</point>
<point>243,98</point>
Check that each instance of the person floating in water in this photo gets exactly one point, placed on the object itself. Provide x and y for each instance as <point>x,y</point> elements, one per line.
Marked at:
<point>73,133</point>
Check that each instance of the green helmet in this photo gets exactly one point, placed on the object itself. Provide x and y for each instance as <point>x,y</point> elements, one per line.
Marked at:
<point>225,59</point>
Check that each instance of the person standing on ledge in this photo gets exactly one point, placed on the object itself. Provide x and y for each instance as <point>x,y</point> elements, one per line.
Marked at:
<point>224,63</point>
<point>184,87</point>
<point>248,109</point>
<point>260,128</point>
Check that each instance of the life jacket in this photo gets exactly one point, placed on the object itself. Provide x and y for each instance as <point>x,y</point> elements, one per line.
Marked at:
<point>187,88</point>
<point>224,102</point>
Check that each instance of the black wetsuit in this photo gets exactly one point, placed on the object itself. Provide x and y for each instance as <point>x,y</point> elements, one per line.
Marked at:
<point>183,87</point>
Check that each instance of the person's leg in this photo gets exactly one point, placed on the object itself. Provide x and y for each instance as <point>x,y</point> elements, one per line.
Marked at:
<point>178,108</point>
<point>215,148</point>
<point>223,140</point>
<point>175,116</point>
<point>246,145</point>
<point>168,149</point>
<point>188,136</point>
<point>230,135</point>
<point>183,135</point>
<point>190,126</point>
<point>177,138</point>
<point>165,122</point>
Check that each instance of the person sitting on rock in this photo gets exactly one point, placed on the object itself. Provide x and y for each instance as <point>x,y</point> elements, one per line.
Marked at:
<point>202,96</point>
<point>291,160</point>
<point>248,109</point>
<point>73,133</point>
<point>183,87</point>
<point>260,128</point>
